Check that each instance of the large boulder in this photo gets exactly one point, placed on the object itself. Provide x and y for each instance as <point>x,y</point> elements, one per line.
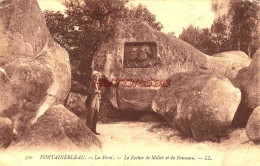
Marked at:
<point>58,128</point>
<point>6,132</point>
<point>173,56</point>
<point>198,104</point>
<point>248,81</point>
<point>76,104</point>
<point>253,126</point>
<point>229,63</point>
<point>35,71</point>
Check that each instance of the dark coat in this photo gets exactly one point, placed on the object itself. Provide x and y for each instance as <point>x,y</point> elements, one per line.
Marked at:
<point>91,94</point>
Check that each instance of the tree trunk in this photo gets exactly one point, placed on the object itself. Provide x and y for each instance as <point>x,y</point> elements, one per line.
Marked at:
<point>249,49</point>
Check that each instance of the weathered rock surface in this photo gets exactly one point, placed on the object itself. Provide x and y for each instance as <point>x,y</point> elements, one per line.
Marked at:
<point>6,132</point>
<point>229,63</point>
<point>59,128</point>
<point>198,104</point>
<point>76,104</point>
<point>248,81</point>
<point>253,126</point>
<point>173,56</point>
<point>76,87</point>
<point>37,69</point>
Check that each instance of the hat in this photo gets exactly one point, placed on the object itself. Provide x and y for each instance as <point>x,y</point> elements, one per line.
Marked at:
<point>96,72</point>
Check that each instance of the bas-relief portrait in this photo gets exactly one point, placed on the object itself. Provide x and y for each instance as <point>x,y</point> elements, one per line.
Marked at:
<point>140,54</point>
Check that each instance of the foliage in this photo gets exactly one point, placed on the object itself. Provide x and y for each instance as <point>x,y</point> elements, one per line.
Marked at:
<point>172,34</point>
<point>191,35</point>
<point>235,31</point>
<point>219,34</point>
<point>244,18</point>
<point>86,24</point>
<point>199,38</point>
<point>141,12</point>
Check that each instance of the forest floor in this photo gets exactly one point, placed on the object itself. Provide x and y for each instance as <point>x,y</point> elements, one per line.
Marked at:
<point>131,143</point>
<point>133,139</point>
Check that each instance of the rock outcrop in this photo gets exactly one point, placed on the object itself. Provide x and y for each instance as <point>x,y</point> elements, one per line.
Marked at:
<point>229,63</point>
<point>248,81</point>
<point>173,56</point>
<point>253,126</point>
<point>35,71</point>
<point>198,104</point>
<point>76,104</point>
<point>59,128</point>
<point>6,132</point>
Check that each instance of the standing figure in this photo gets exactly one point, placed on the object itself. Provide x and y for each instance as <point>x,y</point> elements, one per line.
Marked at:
<point>93,102</point>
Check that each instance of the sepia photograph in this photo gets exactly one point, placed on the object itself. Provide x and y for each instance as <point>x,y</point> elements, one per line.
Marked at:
<point>129,83</point>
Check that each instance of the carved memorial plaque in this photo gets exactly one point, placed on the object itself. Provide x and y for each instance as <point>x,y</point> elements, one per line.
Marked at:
<point>140,54</point>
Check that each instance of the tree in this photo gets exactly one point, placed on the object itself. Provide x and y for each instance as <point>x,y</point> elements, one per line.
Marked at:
<point>172,34</point>
<point>244,18</point>
<point>191,35</point>
<point>141,12</point>
<point>207,46</point>
<point>235,31</point>
<point>219,34</point>
<point>86,24</point>
<point>199,38</point>
<point>53,22</point>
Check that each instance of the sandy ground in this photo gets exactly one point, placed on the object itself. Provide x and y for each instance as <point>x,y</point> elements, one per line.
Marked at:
<point>137,138</point>
<point>136,143</point>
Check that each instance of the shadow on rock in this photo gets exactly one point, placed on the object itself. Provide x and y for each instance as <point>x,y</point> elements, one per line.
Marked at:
<point>58,128</point>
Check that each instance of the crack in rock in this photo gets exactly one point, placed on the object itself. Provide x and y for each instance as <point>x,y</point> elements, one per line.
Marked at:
<point>3,71</point>
<point>5,5</point>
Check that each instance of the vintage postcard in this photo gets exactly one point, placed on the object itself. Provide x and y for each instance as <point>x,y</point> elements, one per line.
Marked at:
<point>129,82</point>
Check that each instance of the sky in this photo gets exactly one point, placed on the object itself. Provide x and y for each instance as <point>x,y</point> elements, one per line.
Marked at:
<point>173,14</point>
